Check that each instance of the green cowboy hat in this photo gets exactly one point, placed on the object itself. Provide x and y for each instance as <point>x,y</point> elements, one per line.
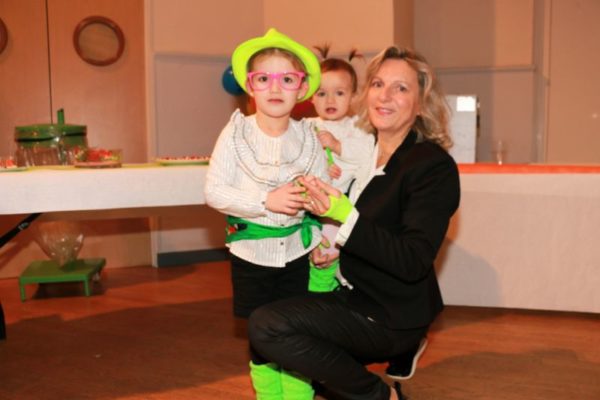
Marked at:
<point>273,39</point>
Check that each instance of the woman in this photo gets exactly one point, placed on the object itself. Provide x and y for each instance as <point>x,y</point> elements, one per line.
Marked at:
<point>389,240</point>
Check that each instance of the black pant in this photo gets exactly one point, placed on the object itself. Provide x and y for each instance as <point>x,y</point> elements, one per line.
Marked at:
<point>319,336</point>
<point>257,285</point>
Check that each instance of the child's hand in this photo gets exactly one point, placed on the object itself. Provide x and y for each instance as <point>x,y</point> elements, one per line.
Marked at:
<point>334,171</point>
<point>318,194</point>
<point>287,199</point>
<point>322,260</point>
<point>328,140</point>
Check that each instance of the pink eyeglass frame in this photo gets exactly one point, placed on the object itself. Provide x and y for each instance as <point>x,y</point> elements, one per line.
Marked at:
<point>275,76</point>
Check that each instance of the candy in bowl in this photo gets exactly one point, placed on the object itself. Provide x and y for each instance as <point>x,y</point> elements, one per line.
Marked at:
<point>94,157</point>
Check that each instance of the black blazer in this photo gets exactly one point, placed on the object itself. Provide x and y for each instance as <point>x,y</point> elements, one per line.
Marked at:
<point>404,216</point>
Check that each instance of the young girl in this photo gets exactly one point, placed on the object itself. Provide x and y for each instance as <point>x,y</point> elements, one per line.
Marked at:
<point>349,148</point>
<point>251,179</point>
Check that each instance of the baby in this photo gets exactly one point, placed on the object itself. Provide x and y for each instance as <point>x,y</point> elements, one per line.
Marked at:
<point>347,147</point>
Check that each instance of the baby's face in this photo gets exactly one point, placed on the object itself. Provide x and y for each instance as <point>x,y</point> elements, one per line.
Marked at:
<point>332,100</point>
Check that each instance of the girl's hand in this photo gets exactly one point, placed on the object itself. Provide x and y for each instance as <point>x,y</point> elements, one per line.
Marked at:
<point>321,260</point>
<point>317,194</point>
<point>287,199</point>
<point>328,140</point>
<point>334,171</point>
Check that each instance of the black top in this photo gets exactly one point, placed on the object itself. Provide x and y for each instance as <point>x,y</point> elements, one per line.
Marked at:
<point>404,216</point>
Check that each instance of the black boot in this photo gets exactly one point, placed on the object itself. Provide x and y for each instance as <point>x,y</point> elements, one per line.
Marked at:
<point>2,324</point>
<point>403,366</point>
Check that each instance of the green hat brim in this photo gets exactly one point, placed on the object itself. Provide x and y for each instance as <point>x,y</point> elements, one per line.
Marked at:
<point>273,39</point>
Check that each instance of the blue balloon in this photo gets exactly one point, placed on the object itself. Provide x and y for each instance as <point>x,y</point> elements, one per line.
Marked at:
<point>230,84</point>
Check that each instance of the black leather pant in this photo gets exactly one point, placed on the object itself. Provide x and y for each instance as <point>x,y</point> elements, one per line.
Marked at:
<point>320,337</point>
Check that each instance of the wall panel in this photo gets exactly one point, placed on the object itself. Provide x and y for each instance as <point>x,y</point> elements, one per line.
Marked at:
<point>24,82</point>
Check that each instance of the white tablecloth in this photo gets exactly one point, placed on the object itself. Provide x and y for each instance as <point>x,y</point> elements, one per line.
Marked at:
<point>524,240</point>
<point>78,189</point>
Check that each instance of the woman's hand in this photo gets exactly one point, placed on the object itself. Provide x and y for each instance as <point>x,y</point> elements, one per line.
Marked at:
<point>325,200</point>
<point>287,199</point>
<point>318,193</point>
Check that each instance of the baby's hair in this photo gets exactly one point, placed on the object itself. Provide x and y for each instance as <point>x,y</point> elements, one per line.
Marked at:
<point>337,64</point>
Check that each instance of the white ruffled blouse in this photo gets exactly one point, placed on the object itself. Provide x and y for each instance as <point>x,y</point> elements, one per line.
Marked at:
<point>245,165</point>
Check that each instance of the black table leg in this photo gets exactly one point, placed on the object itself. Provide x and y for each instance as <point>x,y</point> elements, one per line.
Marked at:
<point>24,224</point>
<point>2,324</point>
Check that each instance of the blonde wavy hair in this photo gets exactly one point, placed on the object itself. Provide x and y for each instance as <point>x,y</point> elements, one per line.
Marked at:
<point>432,123</point>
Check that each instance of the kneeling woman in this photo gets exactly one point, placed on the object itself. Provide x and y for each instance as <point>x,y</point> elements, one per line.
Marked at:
<point>389,237</point>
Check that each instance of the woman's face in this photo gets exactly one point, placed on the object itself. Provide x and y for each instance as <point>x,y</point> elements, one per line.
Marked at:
<point>393,100</point>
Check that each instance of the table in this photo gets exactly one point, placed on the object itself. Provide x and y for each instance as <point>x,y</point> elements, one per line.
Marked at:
<point>55,189</point>
<point>68,189</point>
<point>525,236</point>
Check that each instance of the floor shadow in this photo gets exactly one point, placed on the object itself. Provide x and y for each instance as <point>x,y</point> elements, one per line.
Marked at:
<point>153,349</point>
<point>536,375</point>
<point>98,286</point>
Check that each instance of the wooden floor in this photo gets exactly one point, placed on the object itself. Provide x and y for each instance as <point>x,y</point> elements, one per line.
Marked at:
<point>167,333</point>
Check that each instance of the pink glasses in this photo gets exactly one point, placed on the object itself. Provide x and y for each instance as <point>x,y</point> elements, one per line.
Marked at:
<point>259,80</point>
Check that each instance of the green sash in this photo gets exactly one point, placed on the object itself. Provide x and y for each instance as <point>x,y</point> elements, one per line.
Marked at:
<point>241,229</point>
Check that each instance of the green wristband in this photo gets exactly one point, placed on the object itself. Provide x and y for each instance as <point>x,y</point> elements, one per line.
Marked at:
<point>339,208</point>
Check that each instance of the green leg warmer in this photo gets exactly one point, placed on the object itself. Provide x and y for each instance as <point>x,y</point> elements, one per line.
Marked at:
<point>296,386</point>
<point>323,279</point>
<point>266,379</point>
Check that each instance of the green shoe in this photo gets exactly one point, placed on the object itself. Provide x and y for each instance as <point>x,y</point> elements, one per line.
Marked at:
<point>323,279</point>
<point>266,379</point>
<point>296,386</point>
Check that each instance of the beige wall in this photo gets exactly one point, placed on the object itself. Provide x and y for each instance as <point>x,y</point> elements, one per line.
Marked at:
<point>404,23</point>
<point>202,27</point>
<point>24,90</point>
<point>475,33</point>
<point>485,48</point>
<point>532,63</point>
<point>109,99</point>
<point>343,23</point>
<point>212,28</point>
<point>574,103</point>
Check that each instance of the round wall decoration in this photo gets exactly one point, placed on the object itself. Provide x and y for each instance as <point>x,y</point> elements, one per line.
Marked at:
<point>3,36</point>
<point>98,41</point>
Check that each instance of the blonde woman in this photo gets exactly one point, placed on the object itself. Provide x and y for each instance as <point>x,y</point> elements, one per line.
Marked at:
<point>392,227</point>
